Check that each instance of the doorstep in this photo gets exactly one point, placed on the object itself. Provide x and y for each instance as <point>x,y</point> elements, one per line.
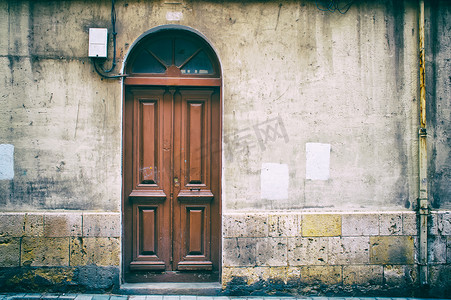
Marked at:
<point>171,288</point>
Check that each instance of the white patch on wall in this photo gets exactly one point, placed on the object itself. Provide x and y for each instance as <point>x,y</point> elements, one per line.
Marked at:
<point>6,162</point>
<point>174,15</point>
<point>317,161</point>
<point>274,181</point>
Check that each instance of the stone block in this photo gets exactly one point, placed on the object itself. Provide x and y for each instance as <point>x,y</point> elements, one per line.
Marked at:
<point>307,251</point>
<point>317,225</point>
<point>284,225</point>
<point>437,249</point>
<point>272,252</point>
<point>255,275</point>
<point>363,275</point>
<point>62,224</point>
<point>241,225</point>
<point>284,274</point>
<point>349,250</point>
<point>448,249</point>
<point>392,250</point>
<point>240,252</point>
<point>327,275</point>
<point>38,279</point>
<point>94,251</point>
<point>101,225</point>
<point>409,224</point>
<point>444,223</point>
<point>9,252</point>
<point>440,280</point>
<point>360,224</point>
<point>433,223</point>
<point>39,251</point>
<point>98,278</point>
<point>251,275</point>
<point>12,224</point>
<point>390,224</point>
<point>34,224</point>
<point>400,276</point>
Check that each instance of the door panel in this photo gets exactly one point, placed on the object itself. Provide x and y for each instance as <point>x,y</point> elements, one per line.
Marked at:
<point>146,236</point>
<point>149,142</point>
<point>196,241</point>
<point>194,138</point>
<point>171,184</point>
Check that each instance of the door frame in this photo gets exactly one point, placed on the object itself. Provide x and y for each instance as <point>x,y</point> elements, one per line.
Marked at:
<point>168,82</point>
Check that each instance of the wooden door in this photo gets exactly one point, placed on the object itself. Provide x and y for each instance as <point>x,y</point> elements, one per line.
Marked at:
<point>172,184</point>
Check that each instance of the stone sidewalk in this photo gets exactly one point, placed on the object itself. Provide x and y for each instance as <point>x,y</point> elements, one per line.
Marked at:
<point>34,296</point>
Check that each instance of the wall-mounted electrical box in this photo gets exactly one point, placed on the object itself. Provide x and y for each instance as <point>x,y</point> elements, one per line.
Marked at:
<point>98,42</point>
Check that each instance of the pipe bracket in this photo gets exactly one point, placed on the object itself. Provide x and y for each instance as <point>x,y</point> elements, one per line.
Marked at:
<point>422,132</point>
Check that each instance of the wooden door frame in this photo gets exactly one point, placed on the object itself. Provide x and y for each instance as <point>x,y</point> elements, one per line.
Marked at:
<point>150,81</point>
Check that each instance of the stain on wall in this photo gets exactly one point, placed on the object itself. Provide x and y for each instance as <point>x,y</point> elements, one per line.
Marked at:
<point>438,85</point>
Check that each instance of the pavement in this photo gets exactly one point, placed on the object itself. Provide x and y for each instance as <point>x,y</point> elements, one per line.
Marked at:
<point>34,296</point>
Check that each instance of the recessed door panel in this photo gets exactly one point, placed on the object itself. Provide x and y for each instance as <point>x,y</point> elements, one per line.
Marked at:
<point>196,120</point>
<point>148,142</point>
<point>147,254</point>
<point>148,234</point>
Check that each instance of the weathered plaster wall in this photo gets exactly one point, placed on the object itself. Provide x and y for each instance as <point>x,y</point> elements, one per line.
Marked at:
<point>63,120</point>
<point>438,81</point>
<point>346,81</point>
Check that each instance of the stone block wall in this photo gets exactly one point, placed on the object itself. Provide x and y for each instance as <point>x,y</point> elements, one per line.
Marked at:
<point>59,251</point>
<point>331,253</point>
<point>439,255</point>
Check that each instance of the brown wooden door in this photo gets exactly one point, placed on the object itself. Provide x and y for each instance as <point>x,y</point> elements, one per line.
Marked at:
<point>172,184</point>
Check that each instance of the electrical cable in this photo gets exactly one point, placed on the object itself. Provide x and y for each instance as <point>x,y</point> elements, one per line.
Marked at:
<point>334,5</point>
<point>114,33</point>
<point>104,75</point>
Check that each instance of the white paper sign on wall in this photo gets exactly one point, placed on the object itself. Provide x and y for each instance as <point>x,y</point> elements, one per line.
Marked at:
<point>274,181</point>
<point>6,162</point>
<point>317,161</point>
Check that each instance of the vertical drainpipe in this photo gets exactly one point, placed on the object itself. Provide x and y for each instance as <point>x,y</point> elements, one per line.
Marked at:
<point>423,208</point>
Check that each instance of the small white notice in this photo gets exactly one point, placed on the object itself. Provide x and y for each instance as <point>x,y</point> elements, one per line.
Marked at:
<point>6,162</point>
<point>174,15</point>
<point>317,161</point>
<point>274,181</point>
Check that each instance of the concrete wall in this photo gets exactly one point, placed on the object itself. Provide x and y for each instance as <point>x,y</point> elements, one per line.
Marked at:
<point>320,116</point>
<point>347,81</point>
<point>439,104</point>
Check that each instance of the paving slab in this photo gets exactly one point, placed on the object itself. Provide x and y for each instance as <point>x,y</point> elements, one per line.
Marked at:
<point>101,297</point>
<point>84,297</point>
<point>155,297</point>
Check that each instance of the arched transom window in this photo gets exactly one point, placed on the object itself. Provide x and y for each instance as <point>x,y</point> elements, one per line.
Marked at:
<point>173,53</point>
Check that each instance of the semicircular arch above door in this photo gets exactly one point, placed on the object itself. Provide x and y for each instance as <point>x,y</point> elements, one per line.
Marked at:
<point>173,53</point>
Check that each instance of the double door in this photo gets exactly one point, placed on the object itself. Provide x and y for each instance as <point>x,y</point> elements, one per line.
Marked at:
<point>171,184</point>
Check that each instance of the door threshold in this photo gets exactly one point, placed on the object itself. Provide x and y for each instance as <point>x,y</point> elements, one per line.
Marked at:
<point>172,288</point>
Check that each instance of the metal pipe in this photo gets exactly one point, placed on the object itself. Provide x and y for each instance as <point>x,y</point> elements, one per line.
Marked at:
<point>423,207</point>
